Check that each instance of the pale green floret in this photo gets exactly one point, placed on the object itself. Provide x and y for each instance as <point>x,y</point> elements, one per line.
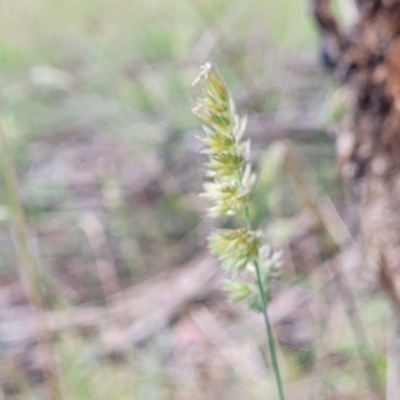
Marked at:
<point>235,248</point>
<point>217,142</point>
<point>215,108</point>
<point>240,124</point>
<point>225,165</point>
<point>238,291</point>
<point>248,178</point>
<point>255,301</point>
<point>229,198</point>
<point>271,262</point>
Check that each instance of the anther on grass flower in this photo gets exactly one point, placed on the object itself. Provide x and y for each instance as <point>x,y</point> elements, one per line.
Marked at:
<point>229,188</point>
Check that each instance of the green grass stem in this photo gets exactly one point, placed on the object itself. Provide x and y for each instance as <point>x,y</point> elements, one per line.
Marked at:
<point>270,335</point>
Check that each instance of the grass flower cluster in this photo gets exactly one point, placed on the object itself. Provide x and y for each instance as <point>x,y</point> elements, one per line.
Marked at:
<point>231,179</point>
<point>228,188</point>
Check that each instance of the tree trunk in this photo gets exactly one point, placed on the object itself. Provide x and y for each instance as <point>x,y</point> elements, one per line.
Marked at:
<point>366,58</point>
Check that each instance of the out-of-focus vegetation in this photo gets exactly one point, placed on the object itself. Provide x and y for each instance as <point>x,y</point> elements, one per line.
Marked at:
<point>97,98</point>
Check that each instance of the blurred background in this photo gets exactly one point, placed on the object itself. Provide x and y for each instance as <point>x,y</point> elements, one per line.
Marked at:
<point>103,218</point>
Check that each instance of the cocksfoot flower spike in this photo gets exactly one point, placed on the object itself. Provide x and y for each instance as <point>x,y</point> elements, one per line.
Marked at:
<point>229,185</point>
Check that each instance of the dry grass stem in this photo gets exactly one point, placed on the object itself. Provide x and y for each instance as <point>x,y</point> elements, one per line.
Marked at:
<point>29,272</point>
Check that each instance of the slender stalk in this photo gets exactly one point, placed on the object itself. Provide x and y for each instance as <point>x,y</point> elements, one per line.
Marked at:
<point>271,340</point>
<point>28,264</point>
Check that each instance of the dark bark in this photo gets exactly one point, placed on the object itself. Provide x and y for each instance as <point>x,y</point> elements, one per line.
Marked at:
<point>367,60</point>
